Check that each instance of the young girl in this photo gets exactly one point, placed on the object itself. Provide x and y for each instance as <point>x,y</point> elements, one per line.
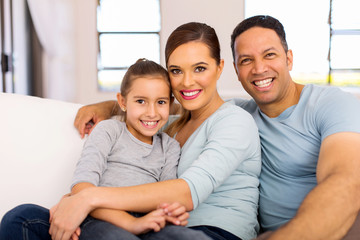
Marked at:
<point>130,152</point>
<point>122,153</point>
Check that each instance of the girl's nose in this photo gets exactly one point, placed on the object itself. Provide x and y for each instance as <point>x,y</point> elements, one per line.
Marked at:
<point>151,110</point>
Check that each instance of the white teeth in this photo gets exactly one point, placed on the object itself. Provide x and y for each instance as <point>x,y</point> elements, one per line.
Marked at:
<point>263,83</point>
<point>150,123</point>
<point>189,94</point>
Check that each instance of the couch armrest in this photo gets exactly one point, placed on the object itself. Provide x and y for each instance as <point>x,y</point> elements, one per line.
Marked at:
<point>39,148</point>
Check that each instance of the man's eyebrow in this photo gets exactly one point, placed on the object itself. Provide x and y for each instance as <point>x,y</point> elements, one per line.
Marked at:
<point>247,55</point>
<point>243,56</point>
<point>269,49</point>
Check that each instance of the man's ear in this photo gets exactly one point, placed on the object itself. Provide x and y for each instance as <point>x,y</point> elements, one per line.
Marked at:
<point>236,71</point>
<point>289,59</point>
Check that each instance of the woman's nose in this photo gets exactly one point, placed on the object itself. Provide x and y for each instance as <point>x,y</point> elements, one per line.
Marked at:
<point>187,80</point>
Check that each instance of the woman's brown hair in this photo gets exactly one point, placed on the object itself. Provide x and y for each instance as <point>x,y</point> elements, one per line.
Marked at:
<point>190,32</point>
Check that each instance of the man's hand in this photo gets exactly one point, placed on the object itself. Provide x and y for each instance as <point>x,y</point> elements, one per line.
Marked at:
<point>88,116</point>
<point>175,213</point>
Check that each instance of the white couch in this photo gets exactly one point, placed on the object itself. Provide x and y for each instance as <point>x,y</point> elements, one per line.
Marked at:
<point>39,147</point>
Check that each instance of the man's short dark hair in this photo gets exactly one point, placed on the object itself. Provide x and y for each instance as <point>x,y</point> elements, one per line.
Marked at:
<point>263,21</point>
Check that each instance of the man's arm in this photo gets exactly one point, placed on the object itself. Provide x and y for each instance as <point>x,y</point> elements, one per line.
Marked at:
<point>330,209</point>
<point>88,116</point>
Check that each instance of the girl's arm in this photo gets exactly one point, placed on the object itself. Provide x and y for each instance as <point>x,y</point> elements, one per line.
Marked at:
<point>154,220</point>
<point>72,210</point>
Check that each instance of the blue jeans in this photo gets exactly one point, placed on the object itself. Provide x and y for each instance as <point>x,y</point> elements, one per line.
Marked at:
<point>31,222</point>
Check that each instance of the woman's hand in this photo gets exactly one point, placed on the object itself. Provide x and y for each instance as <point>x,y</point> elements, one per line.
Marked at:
<point>76,234</point>
<point>175,213</point>
<point>66,217</point>
<point>88,116</point>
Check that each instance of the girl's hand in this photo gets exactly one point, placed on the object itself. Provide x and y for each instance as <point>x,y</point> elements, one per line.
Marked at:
<point>154,220</point>
<point>76,234</point>
<point>175,213</point>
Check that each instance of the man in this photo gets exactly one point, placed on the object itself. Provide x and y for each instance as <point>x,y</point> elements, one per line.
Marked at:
<point>310,137</point>
<point>310,185</point>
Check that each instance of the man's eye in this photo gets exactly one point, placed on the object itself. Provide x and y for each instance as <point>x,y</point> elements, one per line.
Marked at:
<point>245,61</point>
<point>200,69</point>
<point>270,54</point>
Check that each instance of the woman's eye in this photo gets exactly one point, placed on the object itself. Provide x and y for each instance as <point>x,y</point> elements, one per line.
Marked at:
<point>200,69</point>
<point>175,71</point>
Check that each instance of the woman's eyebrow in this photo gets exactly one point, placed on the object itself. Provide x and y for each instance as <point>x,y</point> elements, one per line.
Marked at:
<point>174,66</point>
<point>200,63</point>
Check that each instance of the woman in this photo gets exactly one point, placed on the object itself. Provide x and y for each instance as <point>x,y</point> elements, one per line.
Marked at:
<point>220,156</point>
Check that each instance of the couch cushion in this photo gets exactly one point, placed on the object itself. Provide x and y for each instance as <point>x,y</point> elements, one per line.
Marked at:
<point>39,149</point>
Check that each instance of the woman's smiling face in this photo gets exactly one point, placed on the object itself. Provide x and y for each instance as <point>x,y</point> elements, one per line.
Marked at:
<point>194,74</point>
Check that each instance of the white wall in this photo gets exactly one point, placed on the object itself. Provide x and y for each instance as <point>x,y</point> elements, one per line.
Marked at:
<point>222,15</point>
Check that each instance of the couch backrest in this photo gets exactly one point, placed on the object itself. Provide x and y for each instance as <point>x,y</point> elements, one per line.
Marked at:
<point>39,148</point>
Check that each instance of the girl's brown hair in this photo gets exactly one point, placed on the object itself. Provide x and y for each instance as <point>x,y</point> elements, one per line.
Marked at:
<point>190,32</point>
<point>141,68</point>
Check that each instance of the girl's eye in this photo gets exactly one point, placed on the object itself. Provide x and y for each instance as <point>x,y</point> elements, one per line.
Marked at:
<point>162,102</point>
<point>200,69</point>
<point>175,71</point>
<point>140,101</point>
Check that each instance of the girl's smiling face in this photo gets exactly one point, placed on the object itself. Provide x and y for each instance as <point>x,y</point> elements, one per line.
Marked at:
<point>147,107</point>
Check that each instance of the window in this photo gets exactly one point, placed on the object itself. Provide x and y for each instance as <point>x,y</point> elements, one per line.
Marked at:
<point>344,21</point>
<point>323,35</point>
<point>128,30</point>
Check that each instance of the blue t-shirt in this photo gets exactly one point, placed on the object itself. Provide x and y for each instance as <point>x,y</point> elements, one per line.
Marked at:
<point>291,144</point>
<point>221,162</point>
